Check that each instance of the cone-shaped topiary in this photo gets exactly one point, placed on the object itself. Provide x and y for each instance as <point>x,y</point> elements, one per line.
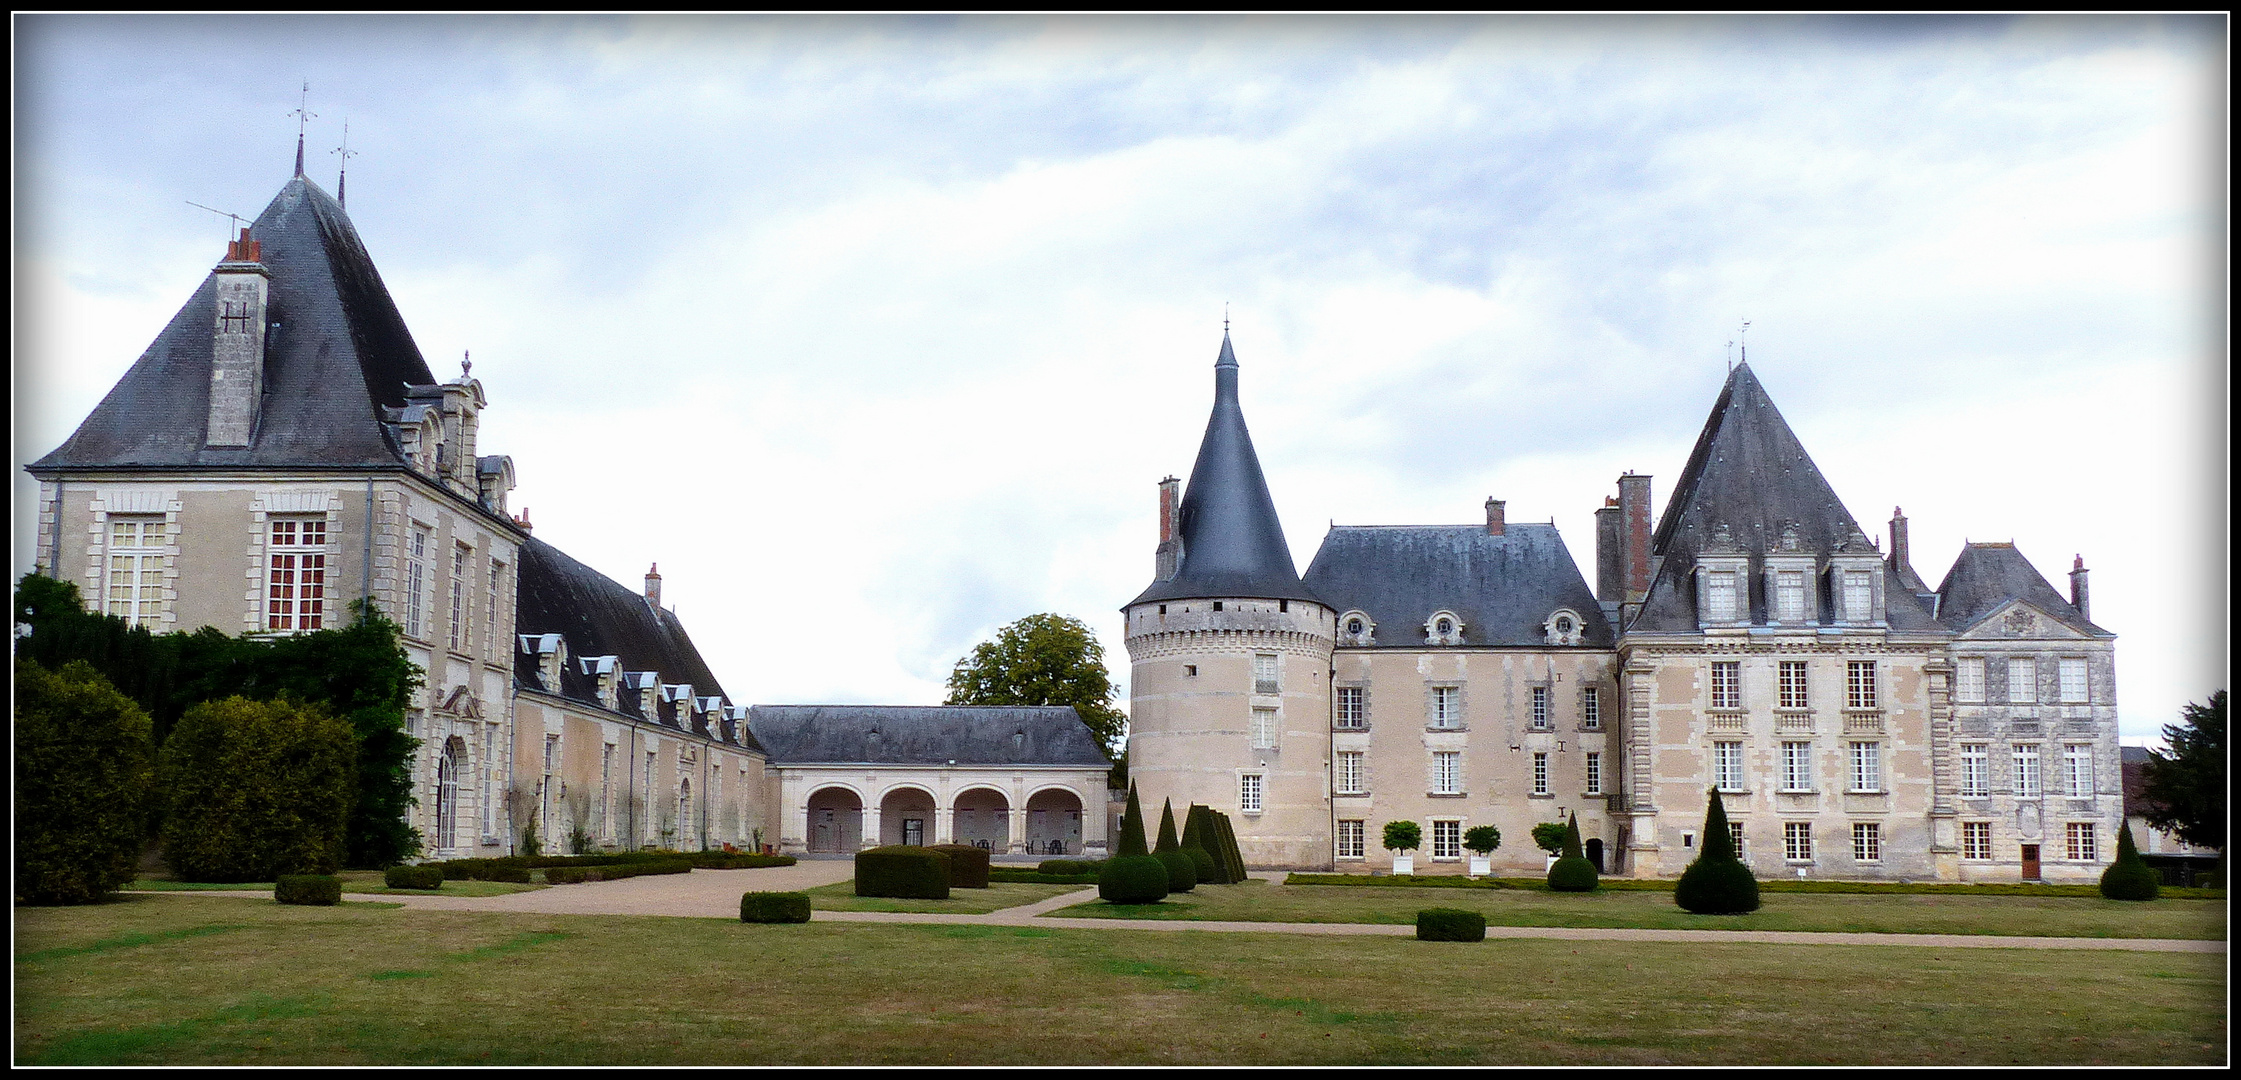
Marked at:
<point>1132,828</point>
<point>2130,877</point>
<point>1134,876</point>
<point>1717,883</point>
<point>1210,839</point>
<point>1195,848</point>
<point>1571,872</point>
<point>1182,873</point>
<point>1229,846</point>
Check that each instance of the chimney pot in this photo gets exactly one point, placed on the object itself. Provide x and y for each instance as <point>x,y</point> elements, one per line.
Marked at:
<point>1496,516</point>
<point>653,584</point>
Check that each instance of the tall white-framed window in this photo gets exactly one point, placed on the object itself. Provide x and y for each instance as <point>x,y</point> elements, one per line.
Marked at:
<point>133,590</point>
<point>462,557</point>
<point>2027,769</point>
<point>490,603</point>
<point>1797,841</point>
<point>1447,839</point>
<point>1867,841</point>
<point>416,581</point>
<point>1447,706</point>
<point>1976,769</point>
<point>1594,772</point>
<point>646,796</point>
<point>1976,839</point>
<point>1727,684</point>
<point>1249,793</point>
<point>2073,685</point>
<point>548,794</point>
<point>607,792</point>
<point>1792,685</point>
<point>2023,680</point>
<point>1264,673</point>
<point>1797,766</point>
<point>1867,766</point>
<point>1727,765</point>
<point>447,796</point>
<point>1351,715</point>
<point>295,573</point>
<point>2080,845</point>
<point>490,780</point>
<point>1447,772</point>
<point>1859,596</point>
<point>1350,844</point>
<point>1789,595</point>
<point>1540,708</point>
<point>684,808</point>
<point>1968,680</point>
<point>1719,596</point>
<point>1264,729</point>
<point>1859,684</point>
<point>1540,772</point>
<point>1350,781</point>
<point>2077,766</point>
<point>1591,708</point>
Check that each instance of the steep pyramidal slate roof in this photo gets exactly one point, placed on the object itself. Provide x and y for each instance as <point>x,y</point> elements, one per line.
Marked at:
<point>925,734</point>
<point>338,353</point>
<point>1233,544</point>
<point>1987,576</point>
<point>1502,587</point>
<point>1750,475</point>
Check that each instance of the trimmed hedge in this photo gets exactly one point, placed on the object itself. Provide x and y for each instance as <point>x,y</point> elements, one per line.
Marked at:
<point>1036,877</point>
<point>569,875</point>
<point>903,871</point>
<point>85,782</point>
<point>1133,879</point>
<point>1069,867</point>
<point>774,907</point>
<point>639,868</point>
<point>1450,924</point>
<point>256,789</point>
<point>968,865</point>
<point>513,875</point>
<point>320,890</point>
<point>413,877</point>
<point>1717,883</point>
<point>1913,888</point>
<point>2130,877</point>
<point>1572,872</point>
<point>1182,871</point>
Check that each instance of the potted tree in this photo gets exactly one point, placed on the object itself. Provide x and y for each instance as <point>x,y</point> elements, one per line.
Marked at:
<point>1482,840</point>
<point>1549,837</point>
<point>1404,837</point>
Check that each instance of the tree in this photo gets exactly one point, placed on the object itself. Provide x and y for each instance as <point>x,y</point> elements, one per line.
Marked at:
<point>256,789</point>
<point>1571,872</point>
<point>1182,873</point>
<point>1134,875</point>
<point>85,776</point>
<point>1482,839</point>
<point>1549,837</point>
<point>2185,788</point>
<point>1403,836</point>
<point>1717,883</point>
<point>1044,660</point>
<point>2130,877</point>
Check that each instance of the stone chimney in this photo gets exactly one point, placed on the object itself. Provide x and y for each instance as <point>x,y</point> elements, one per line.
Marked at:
<point>1170,557</point>
<point>1610,567</point>
<point>1634,537</point>
<point>237,345</point>
<point>2080,598</point>
<point>1495,517</point>
<point>1899,560</point>
<point>653,585</point>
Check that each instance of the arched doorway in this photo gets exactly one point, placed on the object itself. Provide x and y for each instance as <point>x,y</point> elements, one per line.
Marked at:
<point>1595,854</point>
<point>447,794</point>
<point>906,816</point>
<point>836,820</point>
<point>1054,823</point>
<point>983,819</point>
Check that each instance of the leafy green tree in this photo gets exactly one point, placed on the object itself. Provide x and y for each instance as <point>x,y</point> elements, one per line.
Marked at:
<point>2185,788</point>
<point>1549,837</point>
<point>1403,836</point>
<point>1482,839</point>
<point>85,776</point>
<point>1044,660</point>
<point>2130,877</point>
<point>254,790</point>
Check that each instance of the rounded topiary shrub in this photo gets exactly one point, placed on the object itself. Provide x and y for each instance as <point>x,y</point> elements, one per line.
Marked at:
<point>968,865</point>
<point>324,890</point>
<point>1724,887</point>
<point>2130,877</point>
<point>1133,879</point>
<point>1573,874</point>
<point>774,907</point>
<point>256,789</point>
<point>1208,873</point>
<point>1069,867</point>
<point>85,781</point>
<point>902,871</point>
<point>1450,924</point>
<point>1182,873</point>
<point>413,877</point>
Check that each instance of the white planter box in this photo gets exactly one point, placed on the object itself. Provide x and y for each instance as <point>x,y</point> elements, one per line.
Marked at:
<point>1404,864</point>
<point>1481,865</point>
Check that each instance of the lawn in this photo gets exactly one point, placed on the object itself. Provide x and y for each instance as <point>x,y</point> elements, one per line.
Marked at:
<point>996,897</point>
<point>353,881</point>
<point>214,980</point>
<point>2050,916</point>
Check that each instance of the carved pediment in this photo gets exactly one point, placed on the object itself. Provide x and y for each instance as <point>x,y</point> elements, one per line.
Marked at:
<point>461,701</point>
<point>2017,620</point>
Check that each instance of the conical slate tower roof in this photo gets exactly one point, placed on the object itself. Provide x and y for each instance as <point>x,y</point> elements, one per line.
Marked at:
<point>335,353</point>
<point>1233,544</point>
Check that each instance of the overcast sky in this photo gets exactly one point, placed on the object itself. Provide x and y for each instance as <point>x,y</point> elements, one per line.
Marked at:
<point>878,333</point>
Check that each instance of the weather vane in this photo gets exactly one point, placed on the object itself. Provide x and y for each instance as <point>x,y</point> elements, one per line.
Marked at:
<point>1225,318</point>
<point>236,219</point>
<point>1743,338</point>
<point>303,115</point>
<point>342,175</point>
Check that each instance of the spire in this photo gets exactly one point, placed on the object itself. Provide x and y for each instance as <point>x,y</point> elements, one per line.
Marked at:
<point>342,175</point>
<point>303,114</point>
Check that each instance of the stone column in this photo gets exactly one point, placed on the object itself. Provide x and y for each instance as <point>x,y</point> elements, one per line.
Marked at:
<point>871,829</point>
<point>1018,838</point>
<point>945,828</point>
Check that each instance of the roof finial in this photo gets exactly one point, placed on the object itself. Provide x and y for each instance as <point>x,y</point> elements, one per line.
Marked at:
<point>466,363</point>
<point>1743,339</point>
<point>303,114</point>
<point>342,178</point>
<point>1731,356</point>
<point>1225,318</point>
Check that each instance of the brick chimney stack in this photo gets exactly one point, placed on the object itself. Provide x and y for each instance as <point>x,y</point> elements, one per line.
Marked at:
<point>1634,535</point>
<point>2080,598</point>
<point>1899,560</point>
<point>1610,565</point>
<point>1170,555</point>
<point>237,345</point>
<point>653,584</point>
<point>1496,518</point>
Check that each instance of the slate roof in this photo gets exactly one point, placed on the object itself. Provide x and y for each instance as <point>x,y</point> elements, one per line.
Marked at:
<point>1233,544</point>
<point>1749,473</point>
<point>925,735</point>
<point>1502,587</point>
<point>340,351</point>
<point>2133,765</point>
<point>1988,575</point>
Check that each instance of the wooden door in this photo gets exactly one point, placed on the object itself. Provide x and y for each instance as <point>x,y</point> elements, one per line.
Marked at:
<point>2030,862</point>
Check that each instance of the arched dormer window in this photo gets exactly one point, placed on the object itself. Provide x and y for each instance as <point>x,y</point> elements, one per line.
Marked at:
<point>1357,628</point>
<point>1563,627</point>
<point>1443,628</point>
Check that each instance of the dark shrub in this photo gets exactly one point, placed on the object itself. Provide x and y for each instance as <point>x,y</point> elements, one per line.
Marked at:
<point>1482,839</point>
<point>85,781</point>
<point>1450,924</point>
<point>902,871</point>
<point>317,889</point>
<point>413,877</point>
<point>1182,873</point>
<point>256,789</point>
<point>567,875</point>
<point>1069,867</point>
<point>774,907</point>
<point>1230,853</point>
<point>643,868</point>
<point>1717,883</point>
<point>1203,862</point>
<point>1571,871</point>
<point>1133,879</point>
<point>968,865</point>
<point>714,860</point>
<point>517,875</point>
<point>1132,828</point>
<point>2130,877</point>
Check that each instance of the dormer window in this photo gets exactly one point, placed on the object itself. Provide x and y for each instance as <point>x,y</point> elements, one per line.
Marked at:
<point>1563,627</point>
<point>1443,628</point>
<point>1719,596</point>
<point>1355,628</point>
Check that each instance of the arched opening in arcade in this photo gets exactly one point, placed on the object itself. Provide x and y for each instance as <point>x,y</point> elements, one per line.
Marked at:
<point>836,820</point>
<point>984,819</point>
<point>1054,823</point>
<point>906,816</point>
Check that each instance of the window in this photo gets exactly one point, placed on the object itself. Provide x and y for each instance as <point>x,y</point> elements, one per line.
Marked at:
<point>2023,680</point>
<point>1797,841</point>
<point>1447,839</point>
<point>647,800</point>
<point>1727,684</point>
<point>1968,680</point>
<point>2073,680</point>
<point>1789,596</point>
<point>1447,706</point>
<point>547,792</point>
<point>1350,773</point>
<point>1867,841</point>
<point>461,555</point>
<point>490,603</point>
<point>1797,766</point>
<point>1793,685</point>
<point>134,591</point>
<point>1540,708</point>
<point>490,780</point>
<point>296,574</point>
<point>1735,838</point>
<point>1350,712</point>
<point>1190,671</point>
<point>607,792</point>
<point>2080,846</point>
<point>1540,772</point>
<point>1719,591</point>
<point>1867,766</point>
<point>1976,839</point>
<point>1727,765</point>
<point>2077,765</point>
<point>1595,772</point>
<point>447,797</point>
<point>1249,793</point>
<point>2026,769</point>
<point>1349,839</point>
<point>1859,684</point>
<point>412,722</point>
<point>1976,777</point>
<point>1264,673</point>
<point>1447,772</point>
<point>1264,729</point>
<point>1859,594</point>
<point>416,577</point>
<point>1591,708</point>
